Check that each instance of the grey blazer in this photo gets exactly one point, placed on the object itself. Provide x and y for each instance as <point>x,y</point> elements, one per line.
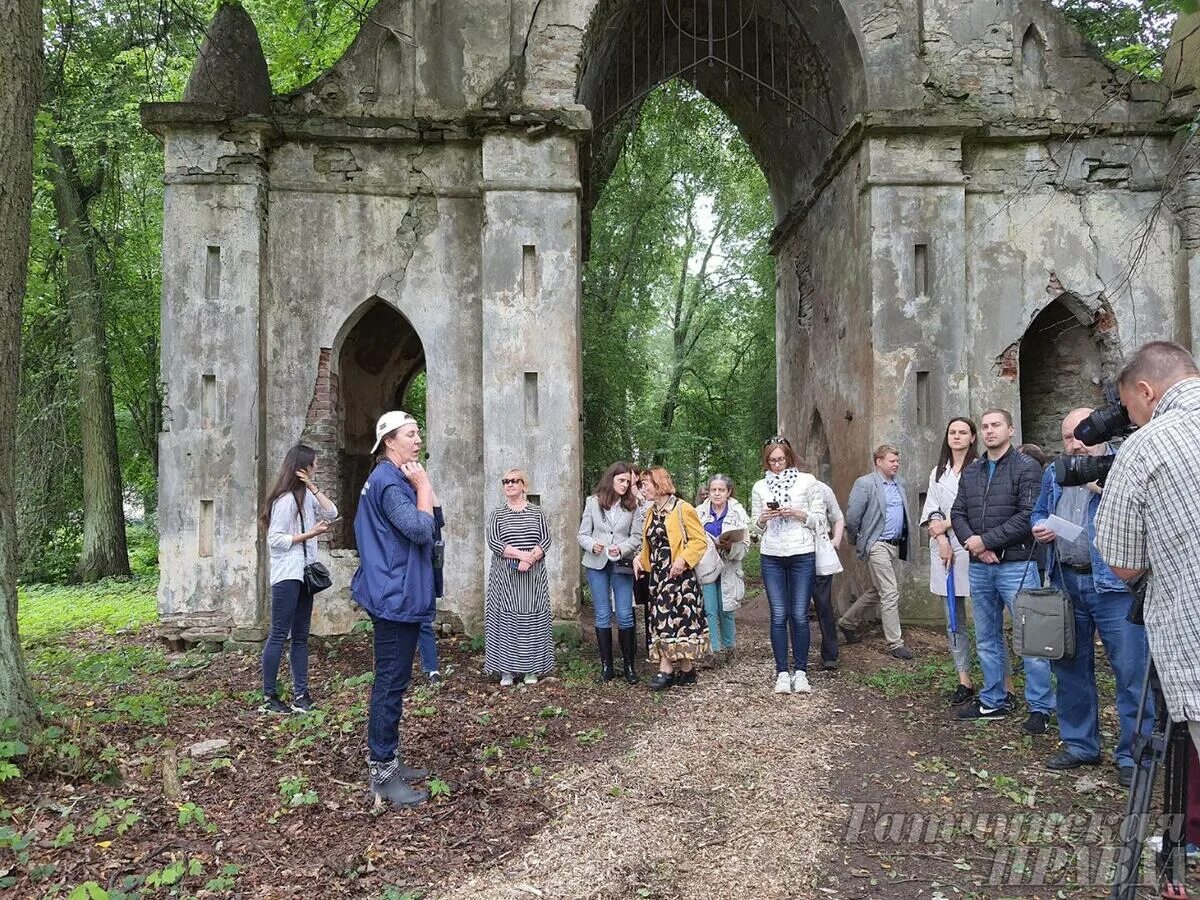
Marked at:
<point>865,515</point>
<point>618,526</point>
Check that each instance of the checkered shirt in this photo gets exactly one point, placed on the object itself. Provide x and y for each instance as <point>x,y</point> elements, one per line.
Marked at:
<point>1149,518</point>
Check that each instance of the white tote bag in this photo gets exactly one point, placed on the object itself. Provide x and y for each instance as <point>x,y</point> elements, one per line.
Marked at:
<point>828,562</point>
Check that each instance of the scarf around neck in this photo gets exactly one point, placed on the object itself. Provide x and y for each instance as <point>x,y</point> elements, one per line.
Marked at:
<point>780,485</point>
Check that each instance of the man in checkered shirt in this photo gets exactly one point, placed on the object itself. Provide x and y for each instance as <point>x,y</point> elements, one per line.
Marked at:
<point>1149,517</point>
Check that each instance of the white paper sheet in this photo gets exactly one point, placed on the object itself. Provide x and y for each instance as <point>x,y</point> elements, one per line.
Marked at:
<point>1068,531</point>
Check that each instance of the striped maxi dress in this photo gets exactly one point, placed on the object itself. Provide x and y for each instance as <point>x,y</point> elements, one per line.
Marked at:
<point>517,629</point>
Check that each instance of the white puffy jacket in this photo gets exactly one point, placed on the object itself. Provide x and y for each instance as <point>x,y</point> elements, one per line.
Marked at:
<point>789,537</point>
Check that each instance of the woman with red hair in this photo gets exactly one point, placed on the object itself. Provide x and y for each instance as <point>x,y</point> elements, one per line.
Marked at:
<point>673,542</point>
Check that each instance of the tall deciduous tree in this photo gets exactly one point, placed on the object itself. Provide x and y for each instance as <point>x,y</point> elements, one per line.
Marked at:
<point>20,78</point>
<point>104,548</point>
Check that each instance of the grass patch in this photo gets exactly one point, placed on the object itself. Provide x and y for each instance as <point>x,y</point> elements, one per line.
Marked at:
<point>47,611</point>
<point>894,682</point>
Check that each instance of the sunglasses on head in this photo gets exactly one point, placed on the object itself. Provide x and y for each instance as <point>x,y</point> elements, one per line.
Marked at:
<point>511,481</point>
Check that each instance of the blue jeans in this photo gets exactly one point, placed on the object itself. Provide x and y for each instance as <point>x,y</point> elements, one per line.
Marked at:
<point>395,647</point>
<point>1125,646</point>
<point>993,587</point>
<point>291,614</point>
<point>721,630</point>
<point>603,583</point>
<point>789,584</point>
<point>427,646</point>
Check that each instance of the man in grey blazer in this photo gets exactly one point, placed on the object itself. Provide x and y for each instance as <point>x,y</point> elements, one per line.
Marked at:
<point>879,520</point>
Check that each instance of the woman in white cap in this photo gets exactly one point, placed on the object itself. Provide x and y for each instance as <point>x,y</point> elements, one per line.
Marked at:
<point>395,529</point>
<point>517,628</point>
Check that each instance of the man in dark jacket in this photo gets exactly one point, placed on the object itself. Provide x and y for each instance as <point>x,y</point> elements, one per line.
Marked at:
<point>991,518</point>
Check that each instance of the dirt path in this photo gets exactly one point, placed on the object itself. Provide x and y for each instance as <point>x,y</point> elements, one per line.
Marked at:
<point>727,792</point>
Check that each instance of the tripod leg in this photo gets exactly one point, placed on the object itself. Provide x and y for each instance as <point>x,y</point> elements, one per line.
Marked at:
<point>1148,752</point>
<point>1172,859</point>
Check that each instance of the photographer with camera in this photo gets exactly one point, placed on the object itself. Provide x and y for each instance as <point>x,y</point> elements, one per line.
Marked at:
<point>1148,515</point>
<point>1100,600</point>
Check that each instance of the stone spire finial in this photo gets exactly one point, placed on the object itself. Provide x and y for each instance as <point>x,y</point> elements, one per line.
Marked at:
<point>230,71</point>
<point>1181,68</point>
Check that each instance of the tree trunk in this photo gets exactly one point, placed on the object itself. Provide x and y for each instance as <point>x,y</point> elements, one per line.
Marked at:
<point>104,549</point>
<point>20,82</point>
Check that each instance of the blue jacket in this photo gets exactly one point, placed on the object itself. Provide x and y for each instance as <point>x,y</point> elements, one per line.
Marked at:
<point>395,579</point>
<point>1047,502</point>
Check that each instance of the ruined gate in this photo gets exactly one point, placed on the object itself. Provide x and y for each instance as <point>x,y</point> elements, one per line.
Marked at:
<point>941,171</point>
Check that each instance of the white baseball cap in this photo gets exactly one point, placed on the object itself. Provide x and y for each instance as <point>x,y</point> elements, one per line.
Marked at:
<point>388,423</point>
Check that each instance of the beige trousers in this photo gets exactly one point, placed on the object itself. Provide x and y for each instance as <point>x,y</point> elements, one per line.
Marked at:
<point>884,593</point>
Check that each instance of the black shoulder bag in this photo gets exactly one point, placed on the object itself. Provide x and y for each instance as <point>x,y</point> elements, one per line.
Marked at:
<point>316,575</point>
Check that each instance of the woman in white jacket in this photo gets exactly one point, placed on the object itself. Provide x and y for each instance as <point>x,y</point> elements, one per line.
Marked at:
<point>296,513</point>
<point>610,535</point>
<point>958,452</point>
<point>790,512</point>
<point>726,522</point>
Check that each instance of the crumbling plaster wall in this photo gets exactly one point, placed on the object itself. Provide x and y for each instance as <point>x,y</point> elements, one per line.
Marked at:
<point>1090,213</point>
<point>213,246</point>
<point>400,223</point>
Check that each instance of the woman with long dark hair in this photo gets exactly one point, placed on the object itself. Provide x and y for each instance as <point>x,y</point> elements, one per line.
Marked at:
<point>610,533</point>
<point>296,512</point>
<point>958,452</point>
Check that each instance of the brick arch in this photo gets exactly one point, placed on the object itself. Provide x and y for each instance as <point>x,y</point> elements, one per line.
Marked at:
<point>1069,350</point>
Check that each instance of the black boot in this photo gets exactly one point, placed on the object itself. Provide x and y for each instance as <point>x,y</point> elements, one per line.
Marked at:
<point>387,785</point>
<point>604,642</point>
<point>628,640</point>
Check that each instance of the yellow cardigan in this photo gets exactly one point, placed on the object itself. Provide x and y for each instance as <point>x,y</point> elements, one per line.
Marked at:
<point>688,542</point>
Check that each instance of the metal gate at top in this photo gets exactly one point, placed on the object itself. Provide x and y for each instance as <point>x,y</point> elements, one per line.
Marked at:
<point>738,35</point>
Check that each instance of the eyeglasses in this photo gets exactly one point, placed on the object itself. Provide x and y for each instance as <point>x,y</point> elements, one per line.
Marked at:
<point>782,441</point>
<point>511,481</point>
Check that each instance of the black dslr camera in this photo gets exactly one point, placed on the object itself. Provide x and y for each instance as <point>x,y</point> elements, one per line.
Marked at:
<point>1105,424</point>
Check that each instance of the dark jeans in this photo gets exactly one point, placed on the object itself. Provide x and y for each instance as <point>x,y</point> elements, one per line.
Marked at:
<point>789,584</point>
<point>291,614</point>
<point>826,618</point>
<point>1125,647</point>
<point>427,647</point>
<point>395,647</point>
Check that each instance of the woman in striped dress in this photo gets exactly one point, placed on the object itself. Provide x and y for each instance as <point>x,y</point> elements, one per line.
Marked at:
<point>517,629</point>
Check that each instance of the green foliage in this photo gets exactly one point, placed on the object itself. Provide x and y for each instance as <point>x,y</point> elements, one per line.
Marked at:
<point>46,612</point>
<point>1130,33</point>
<point>438,788</point>
<point>679,299</point>
<point>294,791</point>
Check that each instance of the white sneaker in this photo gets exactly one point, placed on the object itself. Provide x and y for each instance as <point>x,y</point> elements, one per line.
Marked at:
<point>506,679</point>
<point>531,678</point>
<point>800,683</point>
<point>783,684</point>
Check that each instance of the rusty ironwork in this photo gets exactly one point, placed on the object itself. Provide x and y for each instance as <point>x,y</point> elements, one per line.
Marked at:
<point>748,39</point>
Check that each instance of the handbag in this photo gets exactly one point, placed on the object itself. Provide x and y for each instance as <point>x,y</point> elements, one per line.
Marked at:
<point>709,568</point>
<point>1044,621</point>
<point>827,560</point>
<point>316,575</point>
<point>619,566</point>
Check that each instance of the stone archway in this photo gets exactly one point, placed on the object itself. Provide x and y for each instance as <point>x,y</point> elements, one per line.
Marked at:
<point>377,360</point>
<point>451,173</point>
<point>1066,354</point>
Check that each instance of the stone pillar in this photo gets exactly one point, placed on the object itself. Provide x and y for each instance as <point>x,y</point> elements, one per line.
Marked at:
<point>1184,201</point>
<point>531,353</point>
<point>919,322</point>
<point>212,470</point>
